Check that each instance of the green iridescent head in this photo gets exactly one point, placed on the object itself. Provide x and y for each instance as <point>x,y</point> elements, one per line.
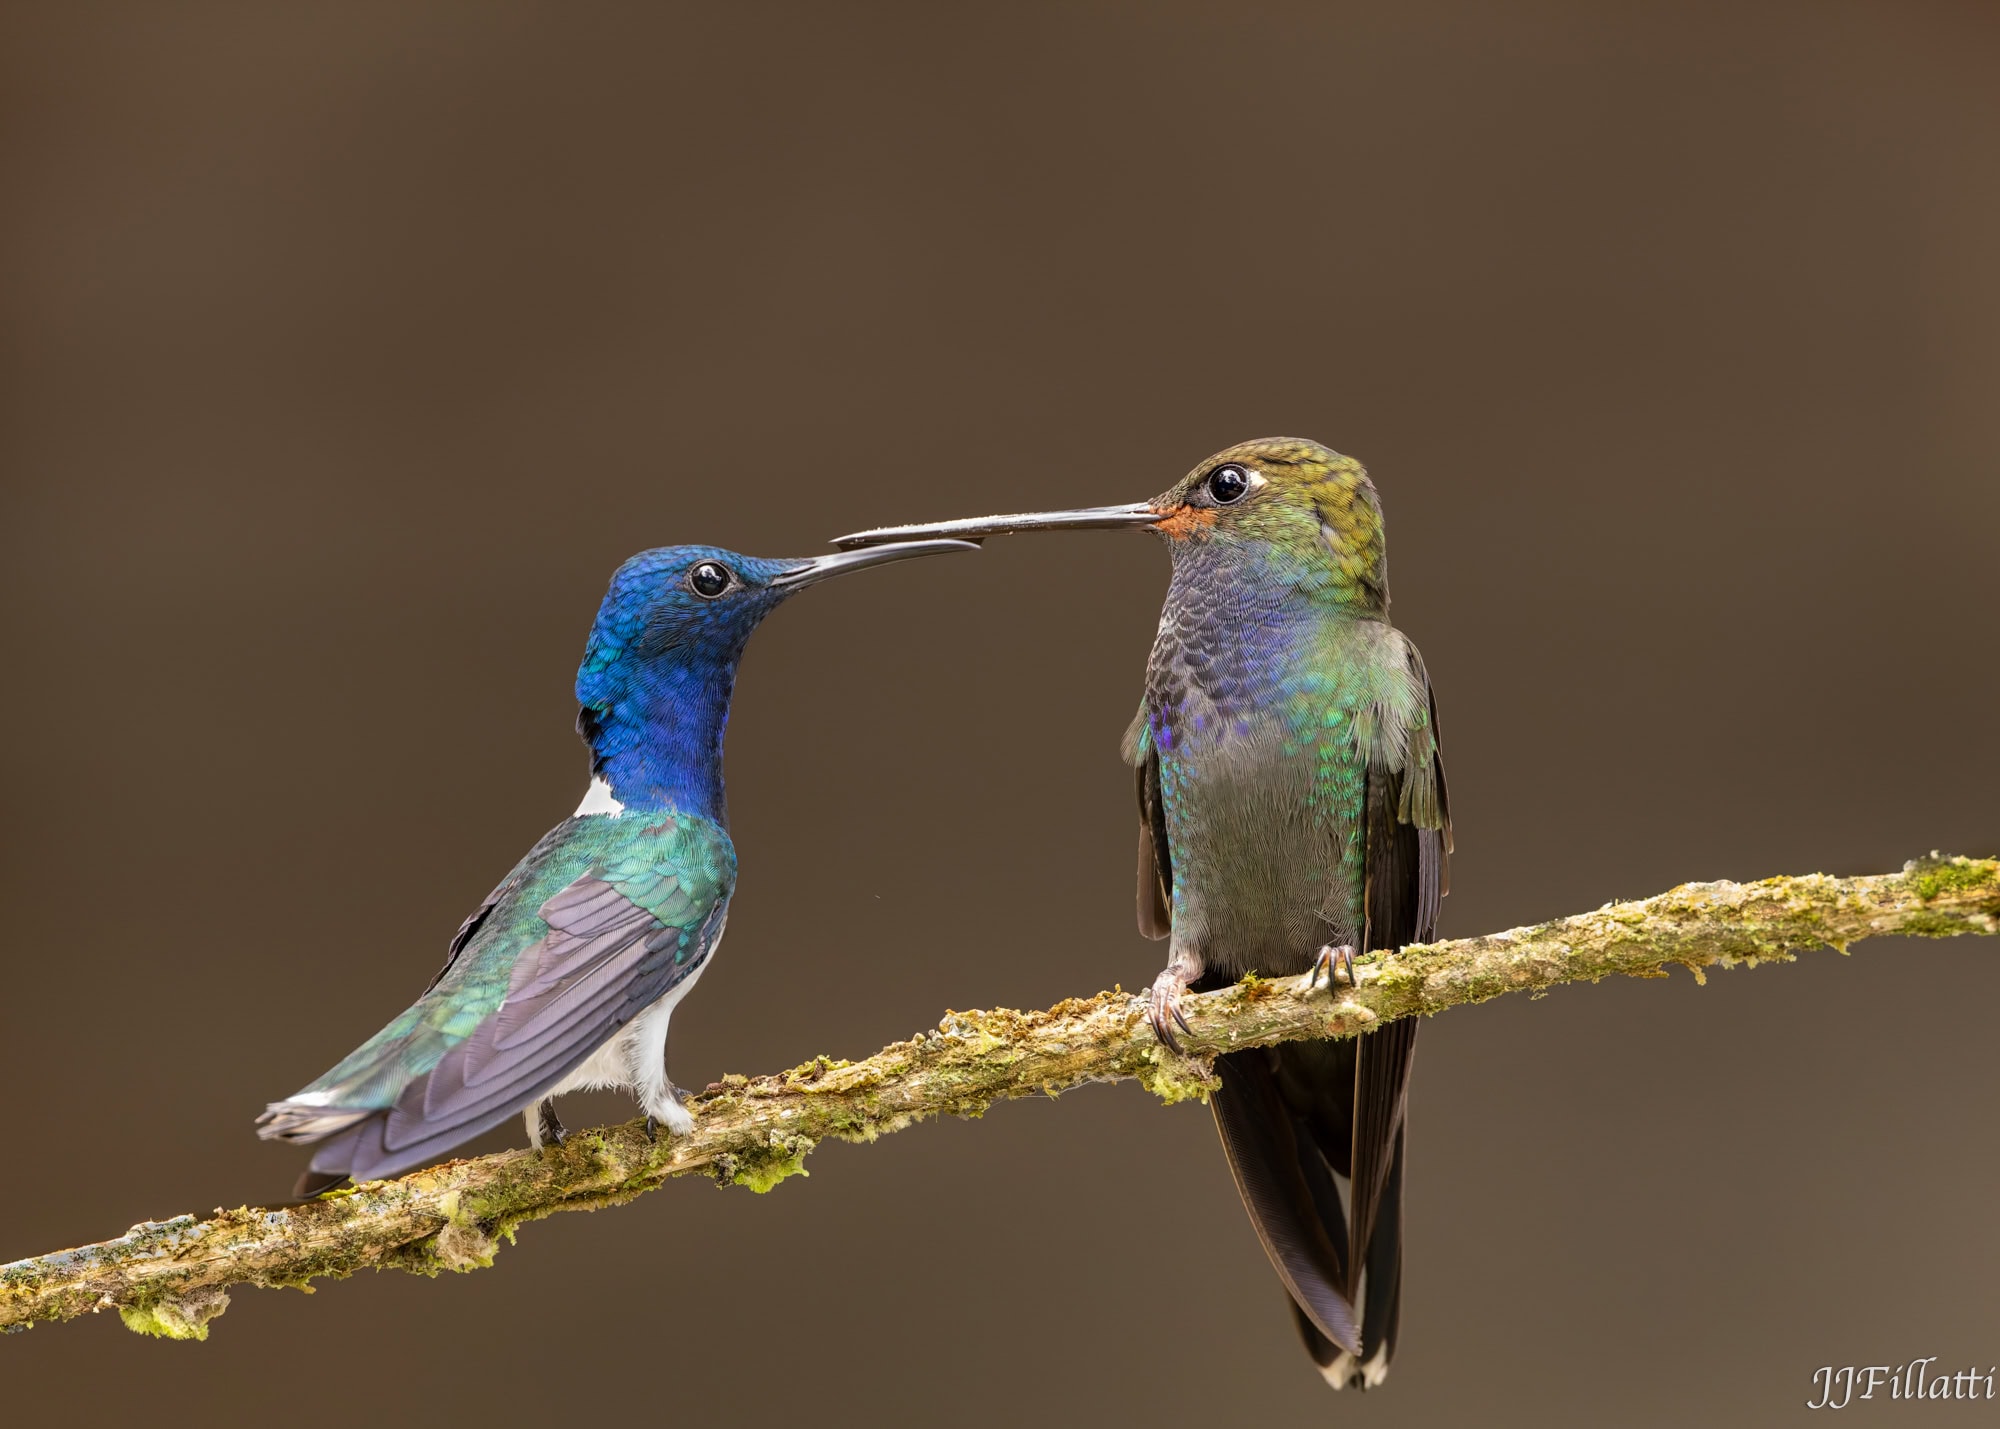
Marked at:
<point>1312,508</point>
<point>1309,514</point>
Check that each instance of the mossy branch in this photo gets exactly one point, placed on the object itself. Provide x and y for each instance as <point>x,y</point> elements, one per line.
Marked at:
<point>171,1277</point>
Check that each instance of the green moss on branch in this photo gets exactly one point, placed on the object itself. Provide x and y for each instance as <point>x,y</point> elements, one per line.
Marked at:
<point>169,1277</point>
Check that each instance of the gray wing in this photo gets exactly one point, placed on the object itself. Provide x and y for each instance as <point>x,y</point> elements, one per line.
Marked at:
<point>603,960</point>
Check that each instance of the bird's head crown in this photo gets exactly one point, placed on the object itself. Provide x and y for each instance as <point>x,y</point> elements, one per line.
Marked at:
<point>1302,504</point>
<point>693,604</point>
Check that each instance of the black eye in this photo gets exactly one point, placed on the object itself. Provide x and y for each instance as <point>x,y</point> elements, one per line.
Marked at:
<point>708,580</point>
<point>1226,484</point>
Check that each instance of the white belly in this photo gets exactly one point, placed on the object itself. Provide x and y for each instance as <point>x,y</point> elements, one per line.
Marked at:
<point>635,1060</point>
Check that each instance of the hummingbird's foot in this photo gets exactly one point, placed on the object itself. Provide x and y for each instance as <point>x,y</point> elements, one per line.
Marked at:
<point>1335,963</point>
<point>549,1125</point>
<point>667,1106</point>
<point>1163,1007</point>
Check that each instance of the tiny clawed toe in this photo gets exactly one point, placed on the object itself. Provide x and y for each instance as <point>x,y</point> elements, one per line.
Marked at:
<point>1337,964</point>
<point>1163,1011</point>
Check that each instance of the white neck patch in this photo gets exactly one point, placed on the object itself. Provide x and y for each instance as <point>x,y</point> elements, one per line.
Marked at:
<point>598,799</point>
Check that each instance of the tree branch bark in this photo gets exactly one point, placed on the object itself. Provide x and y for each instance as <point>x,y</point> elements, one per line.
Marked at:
<point>171,1277</point>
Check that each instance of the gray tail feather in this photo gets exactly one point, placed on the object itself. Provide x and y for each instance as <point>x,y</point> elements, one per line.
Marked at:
<point>303,1123</point>
<point>350,1144</point>
<point>360,1150</point>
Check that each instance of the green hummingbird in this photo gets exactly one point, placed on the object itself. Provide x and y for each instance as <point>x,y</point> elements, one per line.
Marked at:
<point>1292,810</point>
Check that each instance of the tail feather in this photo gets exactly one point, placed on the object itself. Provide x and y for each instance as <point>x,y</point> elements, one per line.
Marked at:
<point>1336,1366</point>
<point>1380,1295</point>
<point>363,1150</point>
<point>1284,1116</point>
<point>1270,1164</point>
<point>304,1121</point>
<point>1382,1291</point>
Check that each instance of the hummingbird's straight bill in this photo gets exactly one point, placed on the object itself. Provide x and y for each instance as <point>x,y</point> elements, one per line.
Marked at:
<point>566,977</point>
<point>977,528</point>
<point>1292,812</point>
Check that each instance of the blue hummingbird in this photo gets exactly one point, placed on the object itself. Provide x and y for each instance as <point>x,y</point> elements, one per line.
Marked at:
<point>567,975</point>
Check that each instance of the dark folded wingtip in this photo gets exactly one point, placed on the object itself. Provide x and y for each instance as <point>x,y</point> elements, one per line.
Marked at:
<point>316,1183</point>
<point>1336,1366</point>
<point>1269,1167</point>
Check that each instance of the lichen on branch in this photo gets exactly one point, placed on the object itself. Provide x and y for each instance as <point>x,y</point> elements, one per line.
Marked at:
<point>170,1277</point>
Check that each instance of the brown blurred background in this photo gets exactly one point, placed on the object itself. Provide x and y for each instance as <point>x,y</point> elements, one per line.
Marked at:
<point>348,348</point>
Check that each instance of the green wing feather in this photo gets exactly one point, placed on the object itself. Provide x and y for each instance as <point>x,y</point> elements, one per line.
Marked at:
<point>675,867</point>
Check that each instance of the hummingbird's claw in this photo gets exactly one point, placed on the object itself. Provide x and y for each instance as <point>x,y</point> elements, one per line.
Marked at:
<point>1163,1008</point>
<point>553,1131</point>
<point>1335,963</point>
<point>666,1107</point>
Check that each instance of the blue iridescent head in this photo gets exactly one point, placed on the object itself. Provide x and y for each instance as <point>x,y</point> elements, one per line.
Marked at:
<point>657,674</point>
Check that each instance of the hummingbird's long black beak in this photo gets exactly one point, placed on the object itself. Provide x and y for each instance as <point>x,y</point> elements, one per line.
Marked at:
<point>977,528</point>
<point>818,568</point>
